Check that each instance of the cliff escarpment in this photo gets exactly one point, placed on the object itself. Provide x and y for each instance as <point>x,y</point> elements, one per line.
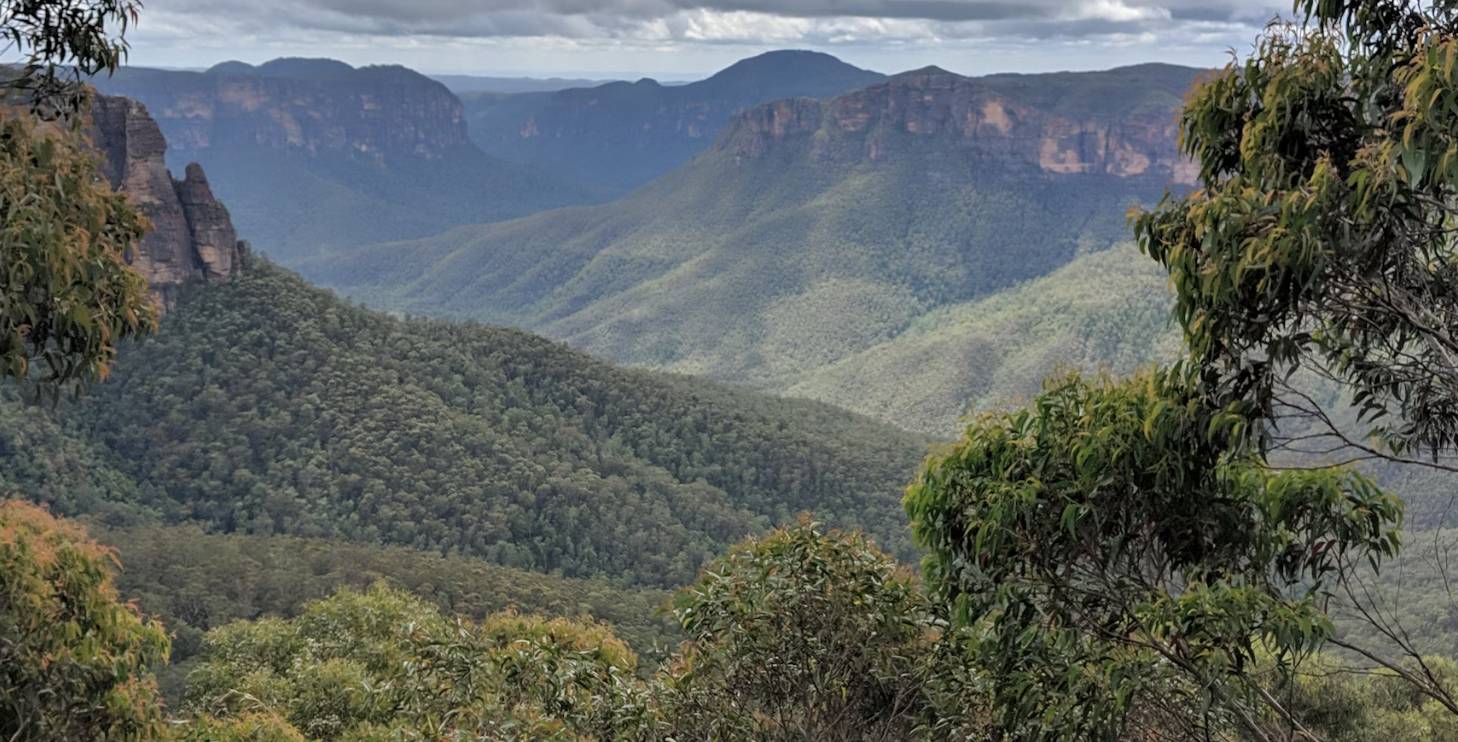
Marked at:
<point>314,156</point>
<point>193,238</point>
<point>815,230</point>
<point>373,113</point>
<point>622,135</point>
<point>1008,123</point>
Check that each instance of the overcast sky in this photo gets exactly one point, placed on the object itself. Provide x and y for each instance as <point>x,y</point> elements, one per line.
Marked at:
<point>689,38</point>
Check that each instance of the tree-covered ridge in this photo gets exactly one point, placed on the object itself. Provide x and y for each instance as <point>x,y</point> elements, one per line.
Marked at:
<point>269,406</point>
<point>756,274</point>
<point>1108,309</point>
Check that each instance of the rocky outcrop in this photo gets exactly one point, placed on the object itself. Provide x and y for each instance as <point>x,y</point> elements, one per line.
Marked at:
<point>192,238</point>
<point>1016,123</point>
<point>378,114</point>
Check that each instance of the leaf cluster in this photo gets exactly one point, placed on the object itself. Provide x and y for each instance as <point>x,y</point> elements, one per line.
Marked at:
<point>69,296</point>
<point>1323,236</point>
<point>1120,542</point>
<point>61,41</point>
<point>73,658</point>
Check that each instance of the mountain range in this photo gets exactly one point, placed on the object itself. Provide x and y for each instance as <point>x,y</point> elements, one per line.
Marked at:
<point>895,249</point>
<point>621,135</point>
<point>812,230</point>
<point>311,154</point>
<point>462,84</point>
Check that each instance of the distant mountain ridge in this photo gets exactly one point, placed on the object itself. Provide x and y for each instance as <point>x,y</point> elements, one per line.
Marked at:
<point>813,230</point>
<point>623,134</point>
<point>312,107</point>
<point>314,153</point>
<point>1000,118</point>
<point>460,84</point>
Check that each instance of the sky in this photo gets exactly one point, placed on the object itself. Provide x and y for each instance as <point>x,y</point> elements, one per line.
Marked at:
<point>686,39</point>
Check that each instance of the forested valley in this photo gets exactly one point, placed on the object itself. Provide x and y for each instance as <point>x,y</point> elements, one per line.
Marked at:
<point>268,406</point>
<point>1198,486</point>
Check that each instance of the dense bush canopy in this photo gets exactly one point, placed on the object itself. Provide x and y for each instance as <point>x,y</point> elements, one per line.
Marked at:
<point>269,406</point>
<point>73,658</point>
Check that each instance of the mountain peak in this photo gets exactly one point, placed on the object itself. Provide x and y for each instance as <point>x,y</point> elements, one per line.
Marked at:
<point>783,62</point>
<point>285,67</point>
<point>930,70</point>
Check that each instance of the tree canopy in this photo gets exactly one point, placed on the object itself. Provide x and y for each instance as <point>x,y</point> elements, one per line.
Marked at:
<point>1322,235</point>
<point>1121,549</point>
<point>1148,549</point>
<point>67,294</point>
<point>74,659</point>
<point>270,406</point>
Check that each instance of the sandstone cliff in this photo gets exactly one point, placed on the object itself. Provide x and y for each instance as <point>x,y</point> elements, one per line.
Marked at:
<point>623,134</point>
<point>377,114</point>
<point>193,238</point>
<point>1005,120</point>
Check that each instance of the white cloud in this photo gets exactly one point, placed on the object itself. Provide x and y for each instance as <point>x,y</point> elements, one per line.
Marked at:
<point>1117,11</point>
<point>688,36</point>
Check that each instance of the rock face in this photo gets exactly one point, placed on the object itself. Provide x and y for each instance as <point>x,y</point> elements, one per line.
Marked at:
<point>623,134</point>
<point>308,108</point>
<point>314,155</point>
<point>193,238</point>
<point>1005,119</point>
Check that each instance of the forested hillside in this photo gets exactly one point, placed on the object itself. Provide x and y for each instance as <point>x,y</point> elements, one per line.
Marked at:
<point>266,405</point>
<point>813,230</point>
<point>1105,310</point>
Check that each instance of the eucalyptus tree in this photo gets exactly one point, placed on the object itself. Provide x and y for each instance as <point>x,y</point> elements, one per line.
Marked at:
<point>73,657</point>
<point>67,294</point>
<point>1125,549</point>
<point>1322,236</point>
<point>1122,552</point>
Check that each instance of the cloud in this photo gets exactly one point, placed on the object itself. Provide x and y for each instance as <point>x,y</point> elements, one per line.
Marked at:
<point>699,35</point>
<point>691,18</point>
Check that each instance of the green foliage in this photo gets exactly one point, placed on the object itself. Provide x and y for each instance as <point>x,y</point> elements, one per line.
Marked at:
<point>804,636</point>
<point>1322,238</point>
<point>795,636</point>
<point>384,665</point>
<point>1341,706</point>
<point>61,40</point>
<point>49,464</point>
<point>196,581</point>
<point>68,293</point>
<point>1119,543</point>
<point>72,656</point>
<point>245,727</point>
<point>269,406</point>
